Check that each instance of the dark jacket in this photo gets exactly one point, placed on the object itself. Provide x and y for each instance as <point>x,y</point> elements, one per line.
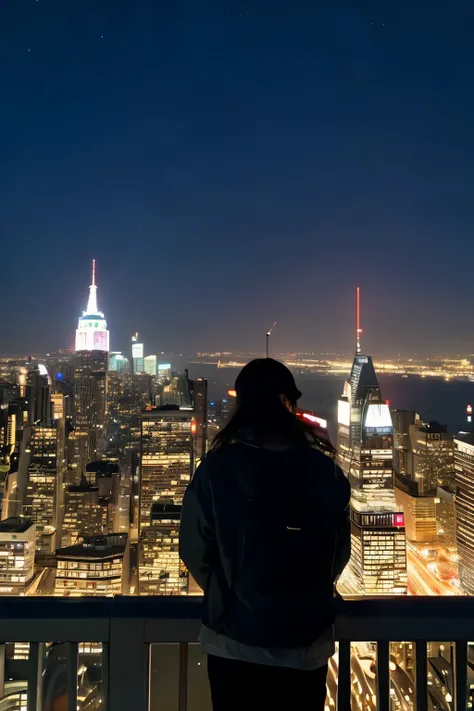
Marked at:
<point>213,529</point>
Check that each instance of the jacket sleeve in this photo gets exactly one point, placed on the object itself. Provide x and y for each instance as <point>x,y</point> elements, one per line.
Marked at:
<point>197,537</point>
<point>343,534</point>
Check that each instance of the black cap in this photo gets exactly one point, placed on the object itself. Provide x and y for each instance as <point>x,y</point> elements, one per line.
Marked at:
<point>266,378</point>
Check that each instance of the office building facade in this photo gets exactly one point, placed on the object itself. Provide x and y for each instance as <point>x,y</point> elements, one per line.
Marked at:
<point>464,478</point>
<point>38,395</point>
<point>199,401</point>
<point>138,362</point>
<point>44,501</point>
<point>17,555</point>
<point>365,453</point>
<point>84,514</point>
<point>420,516</point>
<point>118,363</point>
<point>402,451</point>
<point>96,566</point>
<point>433,457</point>
<point>90,396</point>
<point>150,365</point>
<point>166,466</point>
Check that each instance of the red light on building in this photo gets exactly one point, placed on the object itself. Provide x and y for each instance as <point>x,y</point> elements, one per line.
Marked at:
<point>399,520</point>
<point>193,427</point>
<point>387,402</point>
<point>469,410</point>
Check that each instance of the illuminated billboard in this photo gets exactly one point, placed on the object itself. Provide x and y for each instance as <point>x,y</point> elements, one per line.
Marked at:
<point>343,412</point>
<point>378,417</point>
<point>315,420</point>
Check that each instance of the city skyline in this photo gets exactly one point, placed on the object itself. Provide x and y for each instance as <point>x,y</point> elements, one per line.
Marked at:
<point>266,158</point>
<point>92,332</point>
<point>184,188</point>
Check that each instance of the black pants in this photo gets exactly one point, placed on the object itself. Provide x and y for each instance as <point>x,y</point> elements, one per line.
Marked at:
<point>240,686</point>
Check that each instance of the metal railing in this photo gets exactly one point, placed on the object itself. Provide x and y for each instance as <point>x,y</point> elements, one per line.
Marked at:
<point>126,627</point>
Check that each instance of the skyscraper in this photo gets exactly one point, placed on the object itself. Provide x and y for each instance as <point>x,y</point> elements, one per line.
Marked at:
<point>423,461</point>
<point>402,452</point>
<point>17,555</point>
<point>77,455</point>
<point>464,502</point>
<point>38,395</point>
<point>166,467</point>
<point>433,457</point>
<point>90,395</point>
<point>118,363</point>
<point>92,333</point>
<point>138,363</point>
<point>365,454</point>
<point>84,514</point>
<point>44,502</point>
<point>199,398</point>
<point>150,365</point>
<point>164,372</point>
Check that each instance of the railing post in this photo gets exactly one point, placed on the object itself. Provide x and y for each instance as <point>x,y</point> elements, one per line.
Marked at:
<point>105,675</point>
<point>383,676</point>
<point>460,675</point>
<point>344,676</point>
<point>183,676</point>
<point>72,669</point>
<point>128,665</point>
<point>421,676</point>
<point>35,679</point>
<point>2,670</point>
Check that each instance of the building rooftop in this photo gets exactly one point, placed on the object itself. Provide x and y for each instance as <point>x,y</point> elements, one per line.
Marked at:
<point>467,437</point>
<point>103,467</point>
<point>95,547</point>
<point>15,524</point>
<point>433,427</point>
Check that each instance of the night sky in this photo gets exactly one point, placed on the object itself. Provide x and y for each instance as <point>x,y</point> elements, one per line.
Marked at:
<point>234,162</point>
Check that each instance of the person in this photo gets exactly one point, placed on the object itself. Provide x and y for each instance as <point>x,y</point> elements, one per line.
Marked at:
<point>265,532</point>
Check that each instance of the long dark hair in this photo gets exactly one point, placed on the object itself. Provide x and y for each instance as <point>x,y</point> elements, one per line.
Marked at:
<point>266,405</point>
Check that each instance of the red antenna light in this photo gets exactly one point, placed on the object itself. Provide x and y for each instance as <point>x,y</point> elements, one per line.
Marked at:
<point>358,328</point>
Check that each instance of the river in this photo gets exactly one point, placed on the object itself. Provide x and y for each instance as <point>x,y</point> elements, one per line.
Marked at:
<point>432,398</point>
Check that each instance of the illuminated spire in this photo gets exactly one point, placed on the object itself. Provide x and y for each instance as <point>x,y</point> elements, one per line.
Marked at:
<point>92,307</point>
<point>91,332</point>
<point>358,328</point>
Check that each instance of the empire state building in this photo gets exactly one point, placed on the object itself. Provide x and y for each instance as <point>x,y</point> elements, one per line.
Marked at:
<point>91,332</point>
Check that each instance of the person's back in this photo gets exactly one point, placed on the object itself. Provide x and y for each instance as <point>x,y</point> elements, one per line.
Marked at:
<point>265,533</point>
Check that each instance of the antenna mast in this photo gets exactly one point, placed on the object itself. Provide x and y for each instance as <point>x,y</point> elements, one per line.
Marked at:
<point>267,336</point>
<point>358,328</point>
